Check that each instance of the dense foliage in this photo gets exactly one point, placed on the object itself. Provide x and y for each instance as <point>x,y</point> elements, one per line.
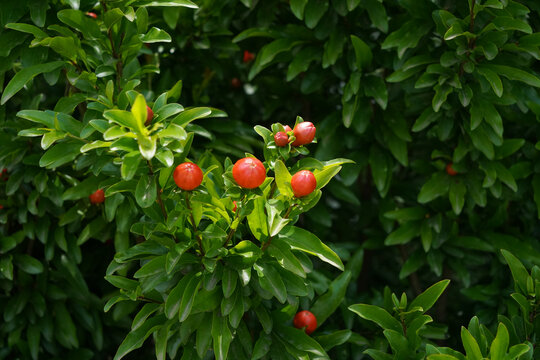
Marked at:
<point>435,102</point>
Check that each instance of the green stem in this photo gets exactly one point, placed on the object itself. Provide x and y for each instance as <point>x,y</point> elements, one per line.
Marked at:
<point>160,201</point>
<point>232,231</point>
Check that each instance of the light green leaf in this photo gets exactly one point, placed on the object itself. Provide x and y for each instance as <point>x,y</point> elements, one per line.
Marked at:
<point>500,343</point>
<point>139,113</point>
<point>471,346</point>
<point>155,35</point>
<point>283,179</point>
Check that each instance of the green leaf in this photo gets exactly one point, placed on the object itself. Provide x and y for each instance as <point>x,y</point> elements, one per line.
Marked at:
<point>329,341</point>
<point>151,268</point>
<point>27,28</point>
<point>6,262</point>
<point>471,346</point>
<point>381,169</point>
<point>500,343</point>
<point>189,115</point>
<point>24,76</point>
<point>138,110</point>
<point>165,156</point>
<point>28,264</point>
<point>78,20</point>
<point>155,35</point>
<point>407,36</point>
<point>147,146</point>
<point>303,240</point>
<point>299,340</point>
<point>518,350</point>
<point>333,48</point>
<point>456,195</point>
<point>324,176</point>
<point>130,164</point>
<point>257,219</point>
<point>493,79</point>
<point>65,329</point>
<point>513,73</point>
<point>505,176</point>
<point>428,298</point>
<point>263,343</point>
<point>33,334</point>
<point>143,314</point>
<point>314,11</point>
<point>122,118</point>
<point>168,3</point>
<point>173,301</point>
<point>397,341</point>
<point>95,145</point>
<point>283,179</point>
<point>519,272</point>
<point>327,303</point>
<point>161,338</point>
<point>362,52</point>
<point>403,234</point>
<point>301,61</point>
<point>221,334</point>
<point>407,214</point>
<point>375,87</point>
<point>173,131</point>
<point>146,191</point>
<point>506,23</point>
<point>441,357</point>
<point>229,280</point>
<point>136,338</point>
<point>271,281</point>
<point>269,52</point>
<point>204,336</point>
<point>281,251</point>
<point>377,14</point>
<point>436,186</point>
<point>122,282</point>
<point>376,314</point>
<point>297,8</point>
<point>190,291</point>
<point>60,154</point>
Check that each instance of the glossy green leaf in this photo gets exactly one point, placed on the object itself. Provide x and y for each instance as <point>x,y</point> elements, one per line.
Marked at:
<point>303,240</point>
<point>376,314</point>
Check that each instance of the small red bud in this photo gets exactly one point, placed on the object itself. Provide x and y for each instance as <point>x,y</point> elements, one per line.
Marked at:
<point>248,56</point>
<point>450,170</point>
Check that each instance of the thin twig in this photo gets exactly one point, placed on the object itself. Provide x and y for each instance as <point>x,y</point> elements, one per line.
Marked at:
<point>232,231</point>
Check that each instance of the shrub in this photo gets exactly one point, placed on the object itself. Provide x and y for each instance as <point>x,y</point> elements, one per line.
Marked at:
<point>435,101</point>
